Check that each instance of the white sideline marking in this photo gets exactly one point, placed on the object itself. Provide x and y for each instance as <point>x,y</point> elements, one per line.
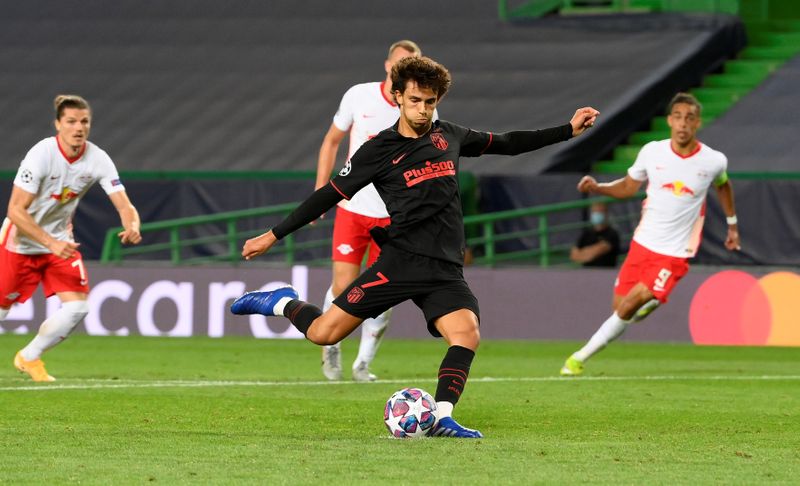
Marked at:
<point>108,384</point>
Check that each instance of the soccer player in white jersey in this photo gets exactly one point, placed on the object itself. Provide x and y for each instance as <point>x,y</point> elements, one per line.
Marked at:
<point>36,242</point>
<point>679,172</point>
<point>365,110</point>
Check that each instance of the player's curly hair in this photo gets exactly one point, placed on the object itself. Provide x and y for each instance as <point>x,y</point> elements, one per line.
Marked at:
<point>426,72</point>
<point>64,101</point>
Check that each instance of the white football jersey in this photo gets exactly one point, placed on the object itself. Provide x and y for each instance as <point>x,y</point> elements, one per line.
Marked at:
<point>674,211</point>
<point>365,112</point>
<point>58,183</point>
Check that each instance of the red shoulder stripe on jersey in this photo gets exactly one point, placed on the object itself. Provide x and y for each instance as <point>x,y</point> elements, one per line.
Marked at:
<point>699,146</point>
<point>383,94</point>
<point>339,191</point>
<point>70,159</point>
<point>491,137</point>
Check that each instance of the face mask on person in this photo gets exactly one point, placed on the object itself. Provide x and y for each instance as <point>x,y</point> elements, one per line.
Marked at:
<point>597,218</point>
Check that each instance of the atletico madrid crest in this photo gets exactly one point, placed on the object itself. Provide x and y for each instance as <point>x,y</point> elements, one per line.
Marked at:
<point>355,295</point>
<point>439,140</point>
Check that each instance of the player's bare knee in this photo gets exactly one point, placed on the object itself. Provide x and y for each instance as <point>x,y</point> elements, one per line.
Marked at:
<point>473,331</point>
<point>316,336</point>
<point>474,339</point>
<point>468,336</point>
<point>321,335</point>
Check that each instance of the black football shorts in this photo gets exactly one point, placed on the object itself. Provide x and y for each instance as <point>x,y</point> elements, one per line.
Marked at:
<point>436,286</point>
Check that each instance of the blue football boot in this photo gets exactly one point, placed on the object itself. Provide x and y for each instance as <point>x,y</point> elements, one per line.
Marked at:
<point>262,302</point>
<point>447,427</point>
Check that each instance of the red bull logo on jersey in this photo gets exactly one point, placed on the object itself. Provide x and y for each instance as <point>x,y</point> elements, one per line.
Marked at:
<point>678,188</point>
<point>431,170</point>
<point>66,195</point>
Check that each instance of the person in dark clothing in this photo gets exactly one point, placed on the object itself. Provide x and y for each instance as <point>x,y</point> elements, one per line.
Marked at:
<point>598,245</point>
<point>414,167</point>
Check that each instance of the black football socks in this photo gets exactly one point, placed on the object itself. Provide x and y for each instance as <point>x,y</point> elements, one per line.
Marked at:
<point>301,314</point>
<point>453,374</point>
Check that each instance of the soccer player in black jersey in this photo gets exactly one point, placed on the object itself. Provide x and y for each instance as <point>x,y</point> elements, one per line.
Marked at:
<point>414,166</point>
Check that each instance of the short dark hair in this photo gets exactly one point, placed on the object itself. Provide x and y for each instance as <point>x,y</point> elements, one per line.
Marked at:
<point>63,102</point>
<point>406,44</point>
<point>685,98</point>
<point>426,72</point>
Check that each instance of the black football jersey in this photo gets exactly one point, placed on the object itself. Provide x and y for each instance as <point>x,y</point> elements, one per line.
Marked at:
<point>417,178</point>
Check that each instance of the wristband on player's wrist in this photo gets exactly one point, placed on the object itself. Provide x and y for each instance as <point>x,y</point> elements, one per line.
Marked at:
<point>732,220</point>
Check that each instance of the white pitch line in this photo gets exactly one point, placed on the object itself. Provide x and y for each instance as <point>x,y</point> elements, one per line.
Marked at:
<point>94,384</point>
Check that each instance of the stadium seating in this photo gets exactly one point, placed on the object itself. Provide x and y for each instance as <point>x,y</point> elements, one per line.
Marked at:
<point>770,45</point>
<point>252,86</point>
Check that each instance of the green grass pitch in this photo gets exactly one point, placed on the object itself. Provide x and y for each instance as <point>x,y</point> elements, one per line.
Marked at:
<point>244,411</point>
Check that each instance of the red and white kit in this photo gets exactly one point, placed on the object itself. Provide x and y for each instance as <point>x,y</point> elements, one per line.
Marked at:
<point>58,182</point>
<point>673,214</point>
<point>365,112</point>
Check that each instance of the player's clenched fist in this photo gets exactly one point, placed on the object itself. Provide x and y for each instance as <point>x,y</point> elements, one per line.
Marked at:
<point>130,237</point>
<point>258,245</point>
<point>584,118</point>
<point>587,184</point>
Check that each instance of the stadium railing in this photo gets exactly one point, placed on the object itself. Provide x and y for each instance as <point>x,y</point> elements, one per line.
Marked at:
<point>521,9</point>
<point>546,252</point>
<point>219,237</point>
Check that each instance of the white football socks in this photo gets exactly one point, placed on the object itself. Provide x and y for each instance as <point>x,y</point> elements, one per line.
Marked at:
<point>609,331</point>
<point>279,306</point>
<point>56,328</point>
<point>371,335</point>
<point>327,305</point>
<point>328,299</point>
<point>445,409</point>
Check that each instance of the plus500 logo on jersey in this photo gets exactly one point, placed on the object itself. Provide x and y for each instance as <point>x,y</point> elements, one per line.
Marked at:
<point>430,170</point>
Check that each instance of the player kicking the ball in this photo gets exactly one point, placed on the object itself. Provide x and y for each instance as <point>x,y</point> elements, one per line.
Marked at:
<point>680,171</point>
<point>414,166</point>
<point>364,111</point>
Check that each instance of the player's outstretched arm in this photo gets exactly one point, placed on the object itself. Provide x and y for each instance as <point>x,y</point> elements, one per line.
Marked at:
<point>522,141</point>
<point>725,194</point>
<point>621,188</point>
<point>317,204</point>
